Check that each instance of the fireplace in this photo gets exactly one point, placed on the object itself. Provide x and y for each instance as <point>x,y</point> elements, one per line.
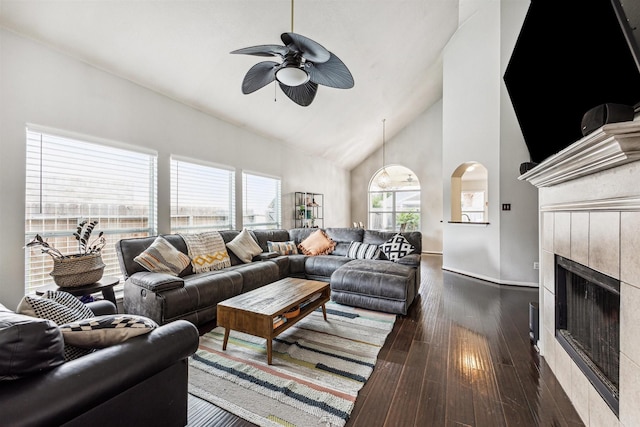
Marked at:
<point>589,202</point>
<point>588,324</point>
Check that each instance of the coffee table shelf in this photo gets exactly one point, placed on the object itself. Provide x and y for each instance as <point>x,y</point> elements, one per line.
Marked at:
<point>253,312</point>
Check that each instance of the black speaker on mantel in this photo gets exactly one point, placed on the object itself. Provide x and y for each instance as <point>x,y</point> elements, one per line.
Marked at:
<point>526,167</point>
<point>603,114</point>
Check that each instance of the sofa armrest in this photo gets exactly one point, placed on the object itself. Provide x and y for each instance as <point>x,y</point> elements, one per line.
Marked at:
<point>412,260</point>
<point>75,387</point>
<point>155,282</point>
<point>268,255</point>
<point>102,307</point>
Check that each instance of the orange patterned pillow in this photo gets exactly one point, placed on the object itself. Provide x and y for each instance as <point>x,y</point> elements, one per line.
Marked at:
<point>318,243</point>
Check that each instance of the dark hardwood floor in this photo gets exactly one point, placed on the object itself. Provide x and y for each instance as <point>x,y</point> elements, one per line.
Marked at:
<point>461,357</point>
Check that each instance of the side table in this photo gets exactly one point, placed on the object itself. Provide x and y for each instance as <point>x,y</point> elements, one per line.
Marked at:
<point>104,285</point>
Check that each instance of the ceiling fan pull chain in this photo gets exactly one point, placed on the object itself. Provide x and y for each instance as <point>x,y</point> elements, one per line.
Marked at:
<point>275,91</point>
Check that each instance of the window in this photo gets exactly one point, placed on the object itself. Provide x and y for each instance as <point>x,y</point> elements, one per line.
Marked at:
<point>69,179</point>
<point>202,197</point>
<point>396,207</point>
<point>261,201</point>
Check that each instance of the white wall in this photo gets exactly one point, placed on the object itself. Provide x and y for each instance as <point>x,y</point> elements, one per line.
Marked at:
<point>41,86</point>
<point>419,148</point>
<point>519,226</point>
<point>471,132</point>
<point>479,125</point>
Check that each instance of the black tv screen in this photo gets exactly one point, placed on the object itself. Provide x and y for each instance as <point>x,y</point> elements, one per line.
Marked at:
<point>571,56</point>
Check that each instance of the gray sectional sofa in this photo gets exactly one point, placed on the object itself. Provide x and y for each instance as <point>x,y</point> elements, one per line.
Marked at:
<point>374,284</point>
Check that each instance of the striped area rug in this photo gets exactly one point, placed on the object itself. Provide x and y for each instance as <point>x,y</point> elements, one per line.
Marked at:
<point>317,370</point>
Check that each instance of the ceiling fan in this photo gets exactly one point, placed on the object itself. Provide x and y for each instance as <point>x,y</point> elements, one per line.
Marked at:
<point>303,65</point>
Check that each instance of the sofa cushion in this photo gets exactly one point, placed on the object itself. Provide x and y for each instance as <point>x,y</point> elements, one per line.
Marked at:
<point>318,243</point>
<point>377,237</point>
<point>163,257</point>
<point>322,266</point>
<point>244,246</point>
<point>358,250</point>
<point>343,238</point>
<point>60,307</point>
<point>202,290</point>
<point>105,331</point>
<point>283,248</point>
<point>29,345</point>
<point>396,247</point>
<point>263,236</point>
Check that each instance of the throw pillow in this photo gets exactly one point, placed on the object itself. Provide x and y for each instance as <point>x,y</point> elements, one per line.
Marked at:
<point>359,250</point>
<point>59,307</point>
<point>104,331</point>
<point>396,247</point>
<point>163,257</point>
<point>283,248</point>
<point>244,246</point>
<point>318,243</point>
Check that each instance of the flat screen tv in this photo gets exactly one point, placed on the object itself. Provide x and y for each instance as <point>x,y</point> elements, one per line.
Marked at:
<point>571,56</point>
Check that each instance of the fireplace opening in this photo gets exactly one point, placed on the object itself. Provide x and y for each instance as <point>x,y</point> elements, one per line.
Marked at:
<point>588,324</point>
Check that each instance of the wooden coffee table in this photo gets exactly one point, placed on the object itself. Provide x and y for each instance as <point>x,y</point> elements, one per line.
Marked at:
<point>254,312</point>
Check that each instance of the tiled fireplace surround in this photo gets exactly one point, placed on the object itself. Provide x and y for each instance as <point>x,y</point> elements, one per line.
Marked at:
<point>589,199</point>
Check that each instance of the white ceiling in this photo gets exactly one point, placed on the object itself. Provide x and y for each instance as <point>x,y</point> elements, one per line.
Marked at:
<point>180,48</point>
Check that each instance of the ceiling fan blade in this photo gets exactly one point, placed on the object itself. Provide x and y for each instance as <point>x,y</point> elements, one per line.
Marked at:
<point>259,76</point>
<point>301,95</point>
<point>310,50</point>
<point>332,73</point>
<point>264,50</point>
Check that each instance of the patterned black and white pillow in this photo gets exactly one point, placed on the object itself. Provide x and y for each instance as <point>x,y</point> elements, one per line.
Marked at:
<point>397,247</point>
<point>59,307</point>
<point>104,331</point>
<point>359,250</point>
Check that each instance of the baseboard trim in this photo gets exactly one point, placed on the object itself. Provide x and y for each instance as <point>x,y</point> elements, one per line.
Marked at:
<point>491,279</point>
<point>432,252</point>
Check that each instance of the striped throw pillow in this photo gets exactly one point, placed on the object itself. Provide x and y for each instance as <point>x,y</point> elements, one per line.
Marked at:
<point>358,250</point>
<point>163,257</point>
<point>283,248</point>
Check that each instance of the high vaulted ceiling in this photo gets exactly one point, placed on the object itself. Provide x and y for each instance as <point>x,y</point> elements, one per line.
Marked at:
<point>180,48</point>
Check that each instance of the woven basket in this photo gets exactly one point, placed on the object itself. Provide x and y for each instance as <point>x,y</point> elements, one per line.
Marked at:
<point>77,270</point>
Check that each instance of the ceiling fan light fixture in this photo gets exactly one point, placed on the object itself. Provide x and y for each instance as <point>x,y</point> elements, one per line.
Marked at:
<point>292,76</point>
<point>384,179</point>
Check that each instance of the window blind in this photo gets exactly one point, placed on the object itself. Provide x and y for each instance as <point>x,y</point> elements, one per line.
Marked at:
<point>202,197</point>
<point>71,179</point>
<point>261,206</point>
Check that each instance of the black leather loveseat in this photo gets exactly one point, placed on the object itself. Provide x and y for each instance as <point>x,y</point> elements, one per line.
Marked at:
<point>376,284</point>
<point>139,382</point>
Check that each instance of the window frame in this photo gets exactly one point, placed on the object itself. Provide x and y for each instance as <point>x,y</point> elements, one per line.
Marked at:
<point>278,201</point>
<point>230,225</point>
<point>95,211</point>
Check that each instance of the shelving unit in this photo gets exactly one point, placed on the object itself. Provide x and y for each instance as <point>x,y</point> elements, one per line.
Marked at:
<point>309,210</point>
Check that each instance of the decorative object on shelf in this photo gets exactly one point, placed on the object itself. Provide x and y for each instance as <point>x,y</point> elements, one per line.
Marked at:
<point>384,179</point>
<point>79,269</point>
<point>304,65</point>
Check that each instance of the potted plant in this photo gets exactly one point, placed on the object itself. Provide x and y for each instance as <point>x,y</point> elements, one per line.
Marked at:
<point>79,269</point>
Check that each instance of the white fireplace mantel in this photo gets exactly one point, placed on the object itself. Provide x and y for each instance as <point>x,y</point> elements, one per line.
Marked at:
<point>610,146</point>
<point>589,202</point>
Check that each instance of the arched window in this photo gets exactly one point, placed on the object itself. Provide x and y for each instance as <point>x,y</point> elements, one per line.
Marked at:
<point>469,193</point>
<point>394,203</point>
